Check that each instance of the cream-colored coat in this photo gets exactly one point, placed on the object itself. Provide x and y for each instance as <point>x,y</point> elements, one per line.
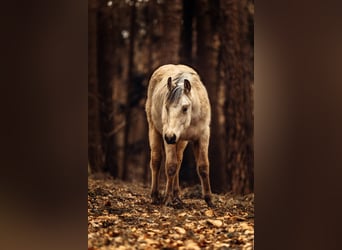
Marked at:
<point>189,125</point>
<point>157,89</point>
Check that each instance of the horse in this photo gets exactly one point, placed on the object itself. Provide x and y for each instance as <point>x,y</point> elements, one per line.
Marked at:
<point>178,111</point>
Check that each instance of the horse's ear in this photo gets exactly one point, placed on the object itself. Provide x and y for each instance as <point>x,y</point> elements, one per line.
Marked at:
<point>169,83</point>
<point>187,86</point>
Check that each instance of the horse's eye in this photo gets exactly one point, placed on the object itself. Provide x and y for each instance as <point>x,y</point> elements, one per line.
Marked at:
<point>185,109</point>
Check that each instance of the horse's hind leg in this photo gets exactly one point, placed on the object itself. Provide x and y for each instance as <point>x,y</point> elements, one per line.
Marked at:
<point>202,162</point>
<point>156,141</point>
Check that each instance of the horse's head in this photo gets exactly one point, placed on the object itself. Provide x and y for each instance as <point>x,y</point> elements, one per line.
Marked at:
<point>176,113</point>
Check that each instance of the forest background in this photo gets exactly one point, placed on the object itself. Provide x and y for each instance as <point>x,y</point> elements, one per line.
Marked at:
<point>128,40</point>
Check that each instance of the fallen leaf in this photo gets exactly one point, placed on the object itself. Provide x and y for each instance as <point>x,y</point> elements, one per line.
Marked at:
<point>190,245</point>
<point>216,223</point>
<point>180,230</point>
<point>209,213</point>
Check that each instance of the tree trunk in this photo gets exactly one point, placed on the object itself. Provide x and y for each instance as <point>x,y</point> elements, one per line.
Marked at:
<point>207,63</point>
<point>186,32</point>
<point>95,153</point>
<point>105,73</point>
<point>247,62</point>
<point>239,123</point>
<point>120,32</point>
<point>171,31</point>
<point>129,90</point>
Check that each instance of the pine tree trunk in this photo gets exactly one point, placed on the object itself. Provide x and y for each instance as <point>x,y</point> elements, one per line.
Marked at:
<point>129,90</point>
<point>207,64</point>
<point>239,123</point>
<point>246,41</point>
<point>186,32</point>
<point>95,153</point>
<point>171,31</point>
<point>120,33</point>
<point>105,76</point>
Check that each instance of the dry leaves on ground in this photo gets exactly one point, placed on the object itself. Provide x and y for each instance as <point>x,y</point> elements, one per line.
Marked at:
<point>121,216</point>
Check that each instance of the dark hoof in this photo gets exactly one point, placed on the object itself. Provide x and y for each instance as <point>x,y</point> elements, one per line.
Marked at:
<point>168,204</point>
<point>156,199</point>
<point>177,203</point>
<point>168,201</point>
<point>209,202</point>
<point>174,203</point>
<point>156,202</point>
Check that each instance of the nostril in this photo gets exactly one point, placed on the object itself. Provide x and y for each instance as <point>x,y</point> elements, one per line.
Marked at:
<point>171,139</point>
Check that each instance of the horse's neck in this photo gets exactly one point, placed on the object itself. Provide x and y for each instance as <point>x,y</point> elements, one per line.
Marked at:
<point>200,110</point>
<point>196,108</point>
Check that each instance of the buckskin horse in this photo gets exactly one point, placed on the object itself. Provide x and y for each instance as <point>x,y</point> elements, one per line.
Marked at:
<point>178,111</point>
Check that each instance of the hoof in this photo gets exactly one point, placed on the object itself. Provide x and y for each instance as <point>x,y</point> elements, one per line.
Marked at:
<point>168,201</point>
<point>207,199</point>
<point>156,199</point>
<point>156,202</point>
<point>174,202</point>
<point>177,203</point>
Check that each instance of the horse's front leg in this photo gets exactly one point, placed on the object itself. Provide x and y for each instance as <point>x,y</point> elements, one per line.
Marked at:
<point>181,145</point>
<point>155,161</point>
<point>202,162</point>
<point>171,165</point>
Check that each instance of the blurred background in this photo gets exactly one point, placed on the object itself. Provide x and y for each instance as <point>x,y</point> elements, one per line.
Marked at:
<point>128,40</point>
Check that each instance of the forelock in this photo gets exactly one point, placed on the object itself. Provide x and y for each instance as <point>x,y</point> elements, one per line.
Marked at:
<point>174,95</point>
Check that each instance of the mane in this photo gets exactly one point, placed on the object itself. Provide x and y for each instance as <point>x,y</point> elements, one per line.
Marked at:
<point>175,94</point>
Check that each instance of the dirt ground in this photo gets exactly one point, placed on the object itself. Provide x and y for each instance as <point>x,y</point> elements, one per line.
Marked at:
<point>121,216</point>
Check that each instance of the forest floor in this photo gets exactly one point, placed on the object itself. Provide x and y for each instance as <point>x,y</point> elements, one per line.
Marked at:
<point>121,216</point>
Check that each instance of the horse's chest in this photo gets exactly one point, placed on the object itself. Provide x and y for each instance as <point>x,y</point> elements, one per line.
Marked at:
<point>193,132</point>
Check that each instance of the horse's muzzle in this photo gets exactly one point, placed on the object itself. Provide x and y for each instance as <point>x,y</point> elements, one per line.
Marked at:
<point>170,139</point>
